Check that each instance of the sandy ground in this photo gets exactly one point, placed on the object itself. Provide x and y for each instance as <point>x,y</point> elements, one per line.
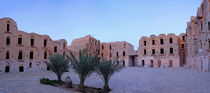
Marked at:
<point>129,80</point>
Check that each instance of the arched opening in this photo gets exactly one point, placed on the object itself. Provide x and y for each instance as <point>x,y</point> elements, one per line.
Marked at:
<point>20,40</point>
<point>31,55</point>
<point>159,63</point>
<point>170,63</point>
<point>124,45</point>
<point>32,41</point>
<point>64,45</point>
<point>55,49</point>
<point>8,25</point>
<point>201,64</point>
<point>161,41</point>
<point>209,65</point>
<point>45,42</point>
<point>8,41</point>
<point>7,69</point>
<point>102,55</point>
<point>117,54</point>
<point>21,69</point>
<point>123,53</point>
<point>171,40</point>
<point>45,54</point>
<point>20,55</point>
<point>48,68</point>
<point>153,42</point>
<point>7,55</point>
<point>142,63</point>
<point>102,47</point>
<point>30,65</point>
<point>151,63</point>
<point>117,62</point>
<point>123,63</point>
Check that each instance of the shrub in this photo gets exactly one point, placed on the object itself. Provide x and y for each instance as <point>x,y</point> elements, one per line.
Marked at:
<point>47,81</point>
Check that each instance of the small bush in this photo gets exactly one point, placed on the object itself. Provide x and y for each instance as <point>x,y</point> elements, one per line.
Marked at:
<point>47,81</point>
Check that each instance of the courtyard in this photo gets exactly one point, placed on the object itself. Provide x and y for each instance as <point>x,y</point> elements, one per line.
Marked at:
<point>128,80</point>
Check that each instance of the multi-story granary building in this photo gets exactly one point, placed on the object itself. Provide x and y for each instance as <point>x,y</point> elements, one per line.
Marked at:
<point>160,51</point>
<point>117,50</point>
<point>21,51</point>
<point>87,42</point>
<point>198,38</point>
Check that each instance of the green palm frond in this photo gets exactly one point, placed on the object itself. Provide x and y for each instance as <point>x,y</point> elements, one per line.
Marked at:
<point>84,65</point>
<point>106,68</point>
<point>58,64</point>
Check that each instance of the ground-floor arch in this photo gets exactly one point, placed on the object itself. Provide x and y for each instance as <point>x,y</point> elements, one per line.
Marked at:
<point>151,63</point>
<point>159,63</point>
<point>170,63</point>
<point>7,69</point>
<point>142,63</point>
<point>21,69</point>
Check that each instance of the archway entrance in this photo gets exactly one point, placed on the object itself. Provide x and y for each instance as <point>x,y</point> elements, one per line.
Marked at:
<point>142,63</point>
<point>21,69</point>
<point>209,65</point>
<point>201,64</point>
<point>159,63</point>
<point>7,69</point>
<point>152,63</point>
<point>170,63</point>
<point>48,68</point>
<point>123,63</point>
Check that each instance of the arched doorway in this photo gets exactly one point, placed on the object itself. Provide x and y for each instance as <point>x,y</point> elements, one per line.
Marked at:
<point>48,68</point>
<point>209,65</point>
<point>123,63</point>
<point>21,69</point>
<point>142,63</point>
<point>7,69</point>
<point>117,62</point>
<point>159,63</point>
<point>201,64</point>
<point>170,63</point>
<point>151,63</point>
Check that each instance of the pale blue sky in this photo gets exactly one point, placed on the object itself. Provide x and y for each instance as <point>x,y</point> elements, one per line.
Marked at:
<point>106,20</point>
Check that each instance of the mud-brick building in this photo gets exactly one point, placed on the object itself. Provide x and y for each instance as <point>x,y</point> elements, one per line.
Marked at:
<point>161,51</point>
<point>198,39</point>
<point>88,42</point>
<point>21,51</point>
<point>117,50</point>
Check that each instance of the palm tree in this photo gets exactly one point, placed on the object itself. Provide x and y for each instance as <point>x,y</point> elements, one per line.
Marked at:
<point>84,65</point>
<point>105,69</point>
<point>58,64</point>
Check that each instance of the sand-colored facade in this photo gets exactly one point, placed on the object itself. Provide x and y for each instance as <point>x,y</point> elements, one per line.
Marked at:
<point>21,51</point>
<point>160,51</point>
<point>198,39</point>
<point>88,42</point>
<point>117,50</point>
